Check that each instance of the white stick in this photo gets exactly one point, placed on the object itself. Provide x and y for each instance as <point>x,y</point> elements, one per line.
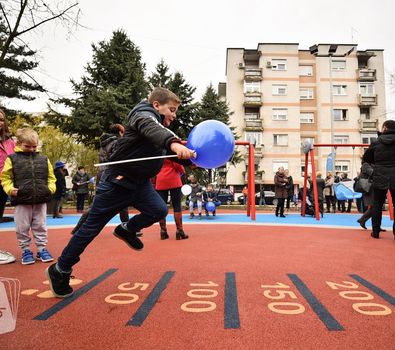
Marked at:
<point>134,160</point>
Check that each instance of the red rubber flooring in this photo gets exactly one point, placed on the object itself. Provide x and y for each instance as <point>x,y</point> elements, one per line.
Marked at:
<point>227,287</point>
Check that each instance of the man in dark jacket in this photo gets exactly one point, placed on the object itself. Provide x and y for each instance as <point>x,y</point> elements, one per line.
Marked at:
<point>146,135</point>
<point>381,153</point>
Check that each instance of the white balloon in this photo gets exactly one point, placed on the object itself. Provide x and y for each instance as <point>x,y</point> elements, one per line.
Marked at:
<point>186,190</point>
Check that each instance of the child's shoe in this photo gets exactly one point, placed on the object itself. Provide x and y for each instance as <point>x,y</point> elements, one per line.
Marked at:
<point>44,255</point>
<point>6,257</point>
<point>27,257</point>
<point>59,282</point>
<point>200,216</point>
<point>191,215</point>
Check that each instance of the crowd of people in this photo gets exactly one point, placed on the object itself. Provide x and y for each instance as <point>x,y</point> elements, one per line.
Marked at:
<point>30,181</point>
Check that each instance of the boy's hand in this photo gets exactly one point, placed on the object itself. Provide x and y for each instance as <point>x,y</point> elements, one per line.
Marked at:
<point>14,192</point>
<point>181,151</point>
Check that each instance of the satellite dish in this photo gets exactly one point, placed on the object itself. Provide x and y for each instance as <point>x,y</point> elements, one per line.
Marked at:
<point>307,145</point>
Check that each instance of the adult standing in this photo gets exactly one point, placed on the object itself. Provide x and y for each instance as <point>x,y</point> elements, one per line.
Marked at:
<point>381,154</point>
<point>329,193</point>
<point>290,189</point>
<point>168,181</point>
<point>280,190</point>
<point>7,146</point>
<point>60,188</point>
<point>80,186</point>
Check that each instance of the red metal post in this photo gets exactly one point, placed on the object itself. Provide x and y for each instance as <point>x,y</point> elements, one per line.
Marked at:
<point>251,186</point>
<point>314,178</point>
<point>306,165</point>
<point>390,206</point>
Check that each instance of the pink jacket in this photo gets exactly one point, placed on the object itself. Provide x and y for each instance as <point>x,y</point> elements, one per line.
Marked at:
<point>6,148</point>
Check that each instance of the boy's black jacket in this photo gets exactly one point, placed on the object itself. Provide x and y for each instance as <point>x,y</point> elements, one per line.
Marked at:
<point>145,136</point>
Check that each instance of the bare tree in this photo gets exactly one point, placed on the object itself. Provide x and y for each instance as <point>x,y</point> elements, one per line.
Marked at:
<point>22,16</point>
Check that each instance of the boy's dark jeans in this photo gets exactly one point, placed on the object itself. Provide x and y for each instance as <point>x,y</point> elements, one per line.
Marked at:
<point>110,199</point>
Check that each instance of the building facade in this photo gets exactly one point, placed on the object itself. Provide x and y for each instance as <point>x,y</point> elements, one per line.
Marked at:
<point>281,95</point>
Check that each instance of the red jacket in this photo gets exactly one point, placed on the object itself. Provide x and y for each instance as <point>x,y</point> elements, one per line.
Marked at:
<point>169,176</point>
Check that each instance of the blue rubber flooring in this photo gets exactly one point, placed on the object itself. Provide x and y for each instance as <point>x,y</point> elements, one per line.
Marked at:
<point>335,220</point>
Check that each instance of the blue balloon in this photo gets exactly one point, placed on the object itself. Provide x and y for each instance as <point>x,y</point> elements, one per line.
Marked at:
<point>210,206</point>
<point>213,142</point>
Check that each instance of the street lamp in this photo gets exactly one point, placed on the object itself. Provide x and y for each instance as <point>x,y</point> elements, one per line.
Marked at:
<point>314,50</point>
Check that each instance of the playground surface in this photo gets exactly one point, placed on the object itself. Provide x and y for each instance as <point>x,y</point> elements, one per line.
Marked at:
<point>278,283</point>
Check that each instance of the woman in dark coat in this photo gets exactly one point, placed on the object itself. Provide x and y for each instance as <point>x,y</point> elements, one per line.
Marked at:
<point>60,188</point>
<point>280,190</point>
<point>381,154</point>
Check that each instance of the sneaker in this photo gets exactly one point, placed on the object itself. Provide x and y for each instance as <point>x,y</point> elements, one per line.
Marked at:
<point>130,238</point>
<point>6,257</point>
<point>191,215</point>
<point>139,234</point>
<point>59,282</point>
<point>44,255</point>
<point>27,257</point>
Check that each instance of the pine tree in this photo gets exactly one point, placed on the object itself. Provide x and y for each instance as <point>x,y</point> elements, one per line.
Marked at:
<point>114,83</point>
<point>176,83</point>
<point>16,62</point>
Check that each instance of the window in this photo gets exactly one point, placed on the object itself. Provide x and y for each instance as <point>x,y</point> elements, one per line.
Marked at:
<point>278,89</point>
<point>307,117</point>
<point>306,71</point>
<point>339,90</point>
<point>365,113</point>
<point>279,163</point>
<point>366,89</point>
<point>338,65</point>
<point>368,139</point>
<point>254,136</point>
<point>279,64</point>
<point>306,94</point>
<point>280,140</point>
<point>342,166</point>
<point>252,86</point>
<point>302,168</point>
<point>341,139</point>
<point>340,114</point>
<point>279,113</point>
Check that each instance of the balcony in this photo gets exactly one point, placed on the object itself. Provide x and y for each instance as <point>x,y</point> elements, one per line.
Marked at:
<point>367,100</point>
<point>258,176</point>
<point>366,74</point>
<point>253,125</point>
<point>368,125</point>
<point>253,74</point>
<point>253,99</point>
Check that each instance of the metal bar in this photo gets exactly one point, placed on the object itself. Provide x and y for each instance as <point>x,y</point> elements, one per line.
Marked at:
<point>306,165</point>
<point>316,207</point>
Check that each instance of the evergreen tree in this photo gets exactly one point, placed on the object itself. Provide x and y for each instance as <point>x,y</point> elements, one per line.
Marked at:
<point>114,83</point>
<point>17,61</point>
<point>211,107</point>
<point>176,83</point>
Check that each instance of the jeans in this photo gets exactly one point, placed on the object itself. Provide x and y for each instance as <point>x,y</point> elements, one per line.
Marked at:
<point>80,200</point>
<point>110,199</point>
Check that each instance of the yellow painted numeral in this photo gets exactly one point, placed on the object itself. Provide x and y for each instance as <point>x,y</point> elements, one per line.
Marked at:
<point>202,293</point>
<point>379,309</point>
<point>118,298</point>
<point>141,286</point>
<point>345,285</point>
<point>281,294</point>
<point>198,306</point>
<point>208,284</point>
<point>286,308</point>
<point>356,295</point>
<point>277,285</point>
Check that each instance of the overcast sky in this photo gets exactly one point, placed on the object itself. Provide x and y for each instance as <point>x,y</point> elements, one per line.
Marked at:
<point>192,36</point>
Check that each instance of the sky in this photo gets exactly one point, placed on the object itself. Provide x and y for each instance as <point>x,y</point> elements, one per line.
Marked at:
<point>192,36</point>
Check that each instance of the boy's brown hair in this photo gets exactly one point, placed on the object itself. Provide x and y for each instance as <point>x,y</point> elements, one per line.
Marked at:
<point>163,96</point>
<point>26,135</point>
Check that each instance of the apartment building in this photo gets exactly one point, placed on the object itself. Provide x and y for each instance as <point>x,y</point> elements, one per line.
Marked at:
<point>280,95</point>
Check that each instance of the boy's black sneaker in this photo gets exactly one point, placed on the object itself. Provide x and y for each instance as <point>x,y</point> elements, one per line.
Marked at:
<point>130,238</point>
<point>59,282</point>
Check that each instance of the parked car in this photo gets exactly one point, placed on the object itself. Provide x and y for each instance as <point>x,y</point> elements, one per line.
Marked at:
<point>270,199</point>
<point>225,196</point>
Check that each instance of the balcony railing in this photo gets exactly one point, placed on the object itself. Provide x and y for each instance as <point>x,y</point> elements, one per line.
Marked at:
<point>367,100</point>
<point>366,74</point>
<point>253,124</point>
<point>252,99</point>
<point>368,125</point>
<point>253,74</point>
